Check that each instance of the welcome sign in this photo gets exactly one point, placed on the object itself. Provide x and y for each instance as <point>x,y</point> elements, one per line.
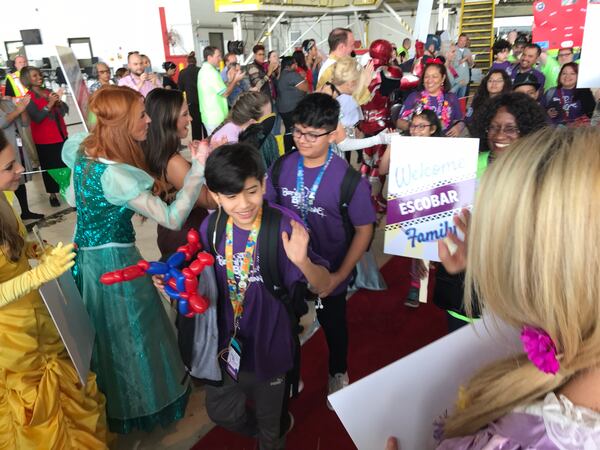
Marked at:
<point>430,179</point>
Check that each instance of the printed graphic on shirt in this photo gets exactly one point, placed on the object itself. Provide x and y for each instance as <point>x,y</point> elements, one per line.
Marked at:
<point>238,258</point>
<point>296,200</point>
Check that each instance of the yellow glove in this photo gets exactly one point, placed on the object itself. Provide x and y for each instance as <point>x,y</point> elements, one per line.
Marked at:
<point>57,262</point>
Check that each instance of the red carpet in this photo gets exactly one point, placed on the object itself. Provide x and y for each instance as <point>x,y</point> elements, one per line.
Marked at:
<point>382,330</point>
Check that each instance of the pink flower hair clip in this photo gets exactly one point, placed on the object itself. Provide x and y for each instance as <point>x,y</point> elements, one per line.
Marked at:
<point>540,349</point>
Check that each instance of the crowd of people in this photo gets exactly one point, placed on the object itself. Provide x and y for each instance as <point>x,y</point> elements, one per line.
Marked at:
<point>289,226</point>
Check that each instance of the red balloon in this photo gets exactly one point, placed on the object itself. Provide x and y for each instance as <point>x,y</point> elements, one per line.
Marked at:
<point>198,303</point>
<point>197,266</point>
<point>173,283</point>
<point>108,278</point>
<point>143,264</point>
<point>132,272</point>
<point>191,285</point>
<point>193,237</point>
<point>206,258</point>
<point>189,315</point>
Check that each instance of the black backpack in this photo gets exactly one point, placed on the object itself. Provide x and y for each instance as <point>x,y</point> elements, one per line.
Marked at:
<point>348,187</point>
<point>268,256</point>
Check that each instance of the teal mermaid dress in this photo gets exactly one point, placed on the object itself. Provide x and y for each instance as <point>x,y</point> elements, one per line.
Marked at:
<point>135,355</point>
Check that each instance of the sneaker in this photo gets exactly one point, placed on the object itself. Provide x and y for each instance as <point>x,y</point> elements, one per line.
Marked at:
<point>28,215</point>
<point>412,299</point>
<point>336,383</point>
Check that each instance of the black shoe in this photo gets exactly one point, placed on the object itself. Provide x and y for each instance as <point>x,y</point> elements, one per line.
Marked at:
<point>28,215</point>
<point>54,201</point>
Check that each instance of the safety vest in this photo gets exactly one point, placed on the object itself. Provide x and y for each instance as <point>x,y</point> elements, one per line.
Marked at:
<point>18,88</point>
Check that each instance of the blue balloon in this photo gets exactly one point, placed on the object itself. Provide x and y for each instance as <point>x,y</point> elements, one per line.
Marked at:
<point>172,293</point>
<point>183,307</point>
<point>158,268</point>
<point>176,259</point>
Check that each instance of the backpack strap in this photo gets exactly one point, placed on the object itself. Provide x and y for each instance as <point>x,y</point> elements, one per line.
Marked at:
<point>268,255</point>
<point>276,173</point>
<point>347,189</point>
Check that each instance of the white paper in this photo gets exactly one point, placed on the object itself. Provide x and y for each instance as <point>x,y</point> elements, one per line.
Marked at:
<point>70,316</point>
<point>424,285</point>
<point>589,65</point>
<point>430,180</point>
<point>404,398</point>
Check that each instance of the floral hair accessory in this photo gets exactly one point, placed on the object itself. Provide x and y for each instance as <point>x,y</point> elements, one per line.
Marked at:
<point>540,349</point>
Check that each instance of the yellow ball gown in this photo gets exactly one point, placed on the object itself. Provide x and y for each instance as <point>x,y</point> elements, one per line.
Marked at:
<point>42,402</point>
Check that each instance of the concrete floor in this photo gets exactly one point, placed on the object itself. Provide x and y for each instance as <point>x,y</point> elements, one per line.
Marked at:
<point>59,226</point>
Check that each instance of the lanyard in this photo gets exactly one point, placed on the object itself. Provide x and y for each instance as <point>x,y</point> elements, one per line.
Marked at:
<point>237,290</point>
<point>306,203</point>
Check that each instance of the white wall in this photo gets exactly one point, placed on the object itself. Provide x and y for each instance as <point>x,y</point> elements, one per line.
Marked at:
<point>115,27</point>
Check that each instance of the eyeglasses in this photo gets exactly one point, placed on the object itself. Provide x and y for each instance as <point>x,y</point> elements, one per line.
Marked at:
<point>562,55</point>
<point>310,137</point>
<point>104,71</point>
<point>418,127</point>
<point>508,130</point>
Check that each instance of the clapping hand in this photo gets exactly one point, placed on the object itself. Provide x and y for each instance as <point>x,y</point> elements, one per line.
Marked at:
<point>200,151</point>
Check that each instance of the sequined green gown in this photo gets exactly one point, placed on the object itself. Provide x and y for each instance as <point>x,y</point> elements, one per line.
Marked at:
<point>135,356</point>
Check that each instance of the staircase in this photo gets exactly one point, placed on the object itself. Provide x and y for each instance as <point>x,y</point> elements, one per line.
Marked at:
<point>477,21</point>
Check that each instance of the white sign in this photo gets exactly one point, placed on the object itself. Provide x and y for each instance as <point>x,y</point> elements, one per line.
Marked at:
<point>430,180</point>
<point>404,398</point>
<point>66,307</point>
<point>72,71</point>
<point>589,66</point>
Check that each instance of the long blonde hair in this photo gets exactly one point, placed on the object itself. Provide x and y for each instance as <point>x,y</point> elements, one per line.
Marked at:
<point>534,259</point>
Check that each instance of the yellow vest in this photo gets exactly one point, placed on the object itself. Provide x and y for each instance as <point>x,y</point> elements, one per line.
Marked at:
<point>15,80</point>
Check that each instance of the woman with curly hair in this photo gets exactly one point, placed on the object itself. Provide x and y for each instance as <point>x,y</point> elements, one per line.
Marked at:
<point>506,119</point>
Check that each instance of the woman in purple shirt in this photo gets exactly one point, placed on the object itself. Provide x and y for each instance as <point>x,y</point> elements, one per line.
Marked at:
<point>567,105</point>
<point>434,93</point>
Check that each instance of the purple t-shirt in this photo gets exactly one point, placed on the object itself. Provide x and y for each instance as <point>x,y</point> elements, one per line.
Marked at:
<point>513,71</point>
<point>413,101</point>
<point>265,325</point>
<point>505,65</point>
<point>324,219</point>
<point>563,101</point>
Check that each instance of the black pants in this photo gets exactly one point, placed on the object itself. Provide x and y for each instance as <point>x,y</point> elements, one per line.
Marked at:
<point>50,158</point>
<point>332,318</point>
<point>288,140</point>
<point>198,130</point>
<point>268,420</point>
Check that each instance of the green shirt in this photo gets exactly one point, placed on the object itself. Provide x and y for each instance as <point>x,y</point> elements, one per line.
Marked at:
<point>213,106</point>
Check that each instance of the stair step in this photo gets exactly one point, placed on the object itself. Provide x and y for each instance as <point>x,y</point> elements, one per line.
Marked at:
<point>481,16</point>
<point>477,10</point>
<point>478,30</point>
<point>489,3</point>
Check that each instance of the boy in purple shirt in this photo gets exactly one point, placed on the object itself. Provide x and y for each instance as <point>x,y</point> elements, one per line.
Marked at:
<point>309,183</point>
<point>256,334</point>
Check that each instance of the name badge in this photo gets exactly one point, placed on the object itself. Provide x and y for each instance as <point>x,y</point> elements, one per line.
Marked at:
<point>19,141</point>
<point>234,358</point>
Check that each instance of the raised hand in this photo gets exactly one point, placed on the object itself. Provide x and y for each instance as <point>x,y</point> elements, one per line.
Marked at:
<point>453,251</point>
<point>296,243</point>
<point>58,261</point>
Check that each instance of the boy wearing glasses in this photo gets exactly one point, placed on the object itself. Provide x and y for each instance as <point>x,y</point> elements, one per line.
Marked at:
<point>309,184</point>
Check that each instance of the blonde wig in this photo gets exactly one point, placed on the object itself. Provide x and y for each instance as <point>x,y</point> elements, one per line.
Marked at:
<point>534,259</point>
